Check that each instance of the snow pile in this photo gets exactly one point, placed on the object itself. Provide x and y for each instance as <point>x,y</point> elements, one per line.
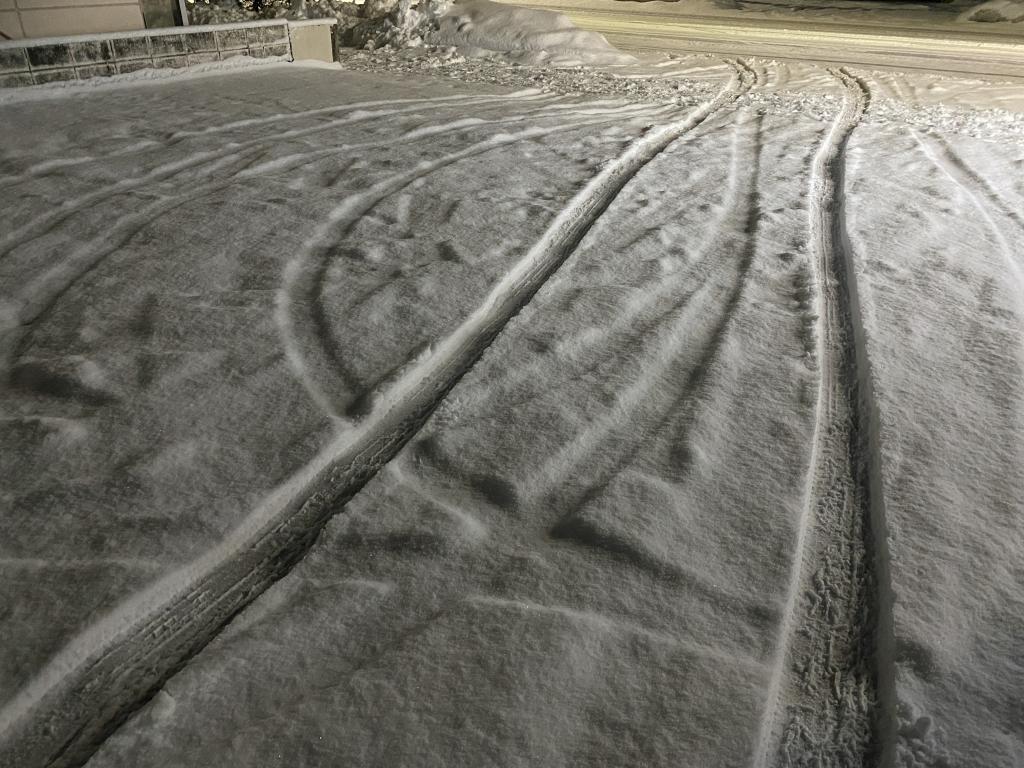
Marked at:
<point>996,11</point>
<point>483,29</point>
<point>528,35</point>
<point>477,29</point>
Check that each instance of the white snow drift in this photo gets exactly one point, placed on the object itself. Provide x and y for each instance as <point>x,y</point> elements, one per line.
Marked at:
<point>528,35</point>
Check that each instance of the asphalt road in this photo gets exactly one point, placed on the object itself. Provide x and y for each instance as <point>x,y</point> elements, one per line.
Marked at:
<point>993,51</point>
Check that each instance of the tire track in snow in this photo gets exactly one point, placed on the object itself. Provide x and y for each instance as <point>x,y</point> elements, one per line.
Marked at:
<point>20,313</point>
<point>99,679</point>
<point>49,166</point>
<point>301,159</point>
<point>831,696</point>
<point>740,216</point>
<point>34,301</point>
<point>206,163</point>
<point>945,158</point>
<point>634,320</point>
<point>638,413</point>
<point>306,335</point>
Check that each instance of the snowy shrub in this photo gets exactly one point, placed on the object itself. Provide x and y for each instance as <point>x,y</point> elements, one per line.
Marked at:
<point>228,11</point>
<point>366,24</point>
<point>205,12</point>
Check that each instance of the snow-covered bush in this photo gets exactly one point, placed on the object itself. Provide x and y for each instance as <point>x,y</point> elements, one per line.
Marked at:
<point>369,24</point>
<point>225,11</point>
<point>206,12</point>
<point>397,23</point>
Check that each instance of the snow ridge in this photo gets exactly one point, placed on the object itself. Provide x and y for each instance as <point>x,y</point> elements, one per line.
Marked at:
<point>99,679</point>
<point>831,697</point>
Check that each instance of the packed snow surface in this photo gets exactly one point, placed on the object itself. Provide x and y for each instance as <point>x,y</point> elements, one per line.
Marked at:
<point>668,416</point>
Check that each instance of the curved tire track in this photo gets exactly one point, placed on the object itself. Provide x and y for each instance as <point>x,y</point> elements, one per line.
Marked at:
<point>109,671</point>
<point>636,413</point>
<point>307,335</point>
<point>978,189</point>
<point>831,696</point>
<point>679,353</point>
<point>49,166</point>
<point>22,312</point>
<point>206,163</point>
<point>302,159</point>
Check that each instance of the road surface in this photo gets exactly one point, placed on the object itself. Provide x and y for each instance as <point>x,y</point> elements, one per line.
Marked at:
<point>932,47</point>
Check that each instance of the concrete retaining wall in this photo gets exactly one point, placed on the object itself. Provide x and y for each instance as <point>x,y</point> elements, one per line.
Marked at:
<point>312,39</point>
<point>32,62</point>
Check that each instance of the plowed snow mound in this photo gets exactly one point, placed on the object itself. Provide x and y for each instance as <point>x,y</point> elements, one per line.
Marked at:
<point>526,34</point>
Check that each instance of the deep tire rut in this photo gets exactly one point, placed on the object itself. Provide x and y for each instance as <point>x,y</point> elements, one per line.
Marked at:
<point>831,697</point>
<point>61,718</point>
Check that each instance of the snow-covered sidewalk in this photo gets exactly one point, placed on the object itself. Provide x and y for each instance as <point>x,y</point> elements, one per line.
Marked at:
<point>676,424</point>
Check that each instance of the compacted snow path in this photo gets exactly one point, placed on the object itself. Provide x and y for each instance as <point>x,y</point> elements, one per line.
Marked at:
<point>834,663</point>
<point>509,428</point>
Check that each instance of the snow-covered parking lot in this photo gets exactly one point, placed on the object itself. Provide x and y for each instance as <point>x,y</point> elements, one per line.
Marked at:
<point>387,419</point>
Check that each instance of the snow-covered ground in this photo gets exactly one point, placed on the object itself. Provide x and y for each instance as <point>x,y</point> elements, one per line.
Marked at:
<point>927,14</point>
<point>421,420</point>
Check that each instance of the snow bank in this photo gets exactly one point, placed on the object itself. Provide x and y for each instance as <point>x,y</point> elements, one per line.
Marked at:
<point>996,11</point>
<point>526,34</point>
<point>483,29</point>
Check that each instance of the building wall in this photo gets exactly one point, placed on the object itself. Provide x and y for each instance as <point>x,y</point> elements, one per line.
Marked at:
<point>53,18</point>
